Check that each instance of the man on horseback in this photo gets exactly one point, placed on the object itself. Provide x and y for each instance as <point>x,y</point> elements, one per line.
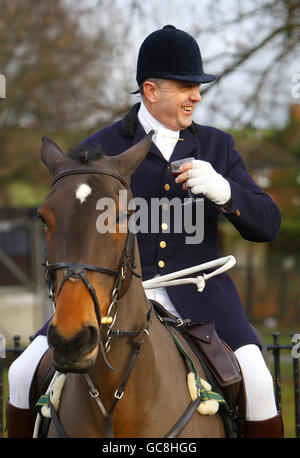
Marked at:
<point>169,73</point>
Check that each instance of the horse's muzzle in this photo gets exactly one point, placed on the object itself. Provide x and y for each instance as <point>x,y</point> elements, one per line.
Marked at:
<point>76,354</point>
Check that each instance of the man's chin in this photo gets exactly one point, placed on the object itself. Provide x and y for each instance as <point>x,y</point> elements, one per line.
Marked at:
<point>185,124</point>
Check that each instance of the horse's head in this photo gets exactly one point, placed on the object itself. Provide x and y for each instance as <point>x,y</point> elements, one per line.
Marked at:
<point>87,258</point>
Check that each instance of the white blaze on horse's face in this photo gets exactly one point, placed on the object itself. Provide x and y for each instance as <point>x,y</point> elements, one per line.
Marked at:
<point>82,192</point>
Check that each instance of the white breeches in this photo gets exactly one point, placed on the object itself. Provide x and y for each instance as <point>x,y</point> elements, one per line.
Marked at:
<point>21,371</point>
<point>258,381</point>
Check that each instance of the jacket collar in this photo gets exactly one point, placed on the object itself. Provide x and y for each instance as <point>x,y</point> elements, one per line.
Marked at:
<point>185,147</point>
<point>130,123</point>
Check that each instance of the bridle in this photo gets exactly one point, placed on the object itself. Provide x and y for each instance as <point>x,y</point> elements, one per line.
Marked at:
<point>77,270</point>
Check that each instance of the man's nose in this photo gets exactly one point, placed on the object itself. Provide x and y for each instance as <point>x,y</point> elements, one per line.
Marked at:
<point>195,95</point>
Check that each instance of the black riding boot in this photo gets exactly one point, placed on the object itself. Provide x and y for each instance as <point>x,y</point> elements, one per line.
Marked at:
<point>19,422</point>
<point>270,428</point>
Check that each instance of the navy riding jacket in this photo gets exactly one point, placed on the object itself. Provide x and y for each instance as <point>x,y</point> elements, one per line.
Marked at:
<point>253,213</point>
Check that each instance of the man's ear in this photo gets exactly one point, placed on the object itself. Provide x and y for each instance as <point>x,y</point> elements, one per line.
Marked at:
<point>150,91</point>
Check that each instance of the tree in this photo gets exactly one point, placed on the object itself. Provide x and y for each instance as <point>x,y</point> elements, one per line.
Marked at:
<point>69,67</point>
<point>57,73</point>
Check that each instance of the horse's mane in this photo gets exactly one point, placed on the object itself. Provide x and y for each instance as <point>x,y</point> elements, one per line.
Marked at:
<point>85,154</point>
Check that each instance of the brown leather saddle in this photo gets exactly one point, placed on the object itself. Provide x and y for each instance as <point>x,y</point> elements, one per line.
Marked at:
<point>216,357</point>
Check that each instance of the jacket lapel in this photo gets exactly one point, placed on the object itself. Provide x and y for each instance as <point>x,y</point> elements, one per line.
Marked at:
<point>186,146</point>
<point>139,134</point>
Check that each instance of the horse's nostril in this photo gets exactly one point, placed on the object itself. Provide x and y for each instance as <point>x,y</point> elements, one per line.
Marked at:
<point>54,338</point>
<point>82,343</point>
<point>72,354</point>
<point>91,338</point>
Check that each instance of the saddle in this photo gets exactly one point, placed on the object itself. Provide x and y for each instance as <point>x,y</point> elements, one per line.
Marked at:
<point>216,357</point>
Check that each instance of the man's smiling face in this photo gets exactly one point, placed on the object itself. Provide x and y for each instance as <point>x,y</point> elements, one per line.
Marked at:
<point>175,104</point>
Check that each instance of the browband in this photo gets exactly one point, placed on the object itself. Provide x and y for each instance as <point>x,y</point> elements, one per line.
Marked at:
<point>89,171</point>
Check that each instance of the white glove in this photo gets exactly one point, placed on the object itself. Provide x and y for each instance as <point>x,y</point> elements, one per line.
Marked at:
<point>203,179</point>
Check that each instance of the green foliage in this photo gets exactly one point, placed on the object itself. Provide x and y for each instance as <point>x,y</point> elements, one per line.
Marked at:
<point>288,240</point>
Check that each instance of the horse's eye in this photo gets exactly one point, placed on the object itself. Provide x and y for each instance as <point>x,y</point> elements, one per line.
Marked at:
<point>41,217</point>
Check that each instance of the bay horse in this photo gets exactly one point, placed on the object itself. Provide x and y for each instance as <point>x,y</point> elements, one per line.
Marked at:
<point>103,334</point>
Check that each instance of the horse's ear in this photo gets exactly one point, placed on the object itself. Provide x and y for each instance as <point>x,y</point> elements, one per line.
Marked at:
<point>129,161</point>
<point>51,155</point>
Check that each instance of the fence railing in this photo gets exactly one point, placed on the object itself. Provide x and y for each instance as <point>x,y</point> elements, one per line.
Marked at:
<point>276,348</point>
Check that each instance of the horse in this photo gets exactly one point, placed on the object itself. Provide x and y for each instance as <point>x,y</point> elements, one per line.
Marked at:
<point>124,376</point>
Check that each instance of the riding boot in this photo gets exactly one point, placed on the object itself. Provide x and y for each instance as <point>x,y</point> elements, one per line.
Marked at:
<point>19,422</point>
<point>270,428</point>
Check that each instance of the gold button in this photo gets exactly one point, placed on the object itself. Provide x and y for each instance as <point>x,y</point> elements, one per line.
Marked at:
<point>165,206</point>
<point>167,187</point>
<point>162,244</point>
<point>237,212</point>
<point>164,226</point>
<point>161,263</point>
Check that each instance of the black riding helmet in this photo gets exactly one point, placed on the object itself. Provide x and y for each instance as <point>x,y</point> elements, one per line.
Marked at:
<point>170,53</point>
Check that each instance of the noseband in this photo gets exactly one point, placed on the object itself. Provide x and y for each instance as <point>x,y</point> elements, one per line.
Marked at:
<point>77,270</point>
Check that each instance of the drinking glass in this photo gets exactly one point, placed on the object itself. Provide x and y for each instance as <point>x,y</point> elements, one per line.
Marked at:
<point>175,170</point>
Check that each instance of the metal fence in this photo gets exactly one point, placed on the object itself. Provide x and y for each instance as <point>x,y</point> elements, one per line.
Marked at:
<point>275,348</point>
